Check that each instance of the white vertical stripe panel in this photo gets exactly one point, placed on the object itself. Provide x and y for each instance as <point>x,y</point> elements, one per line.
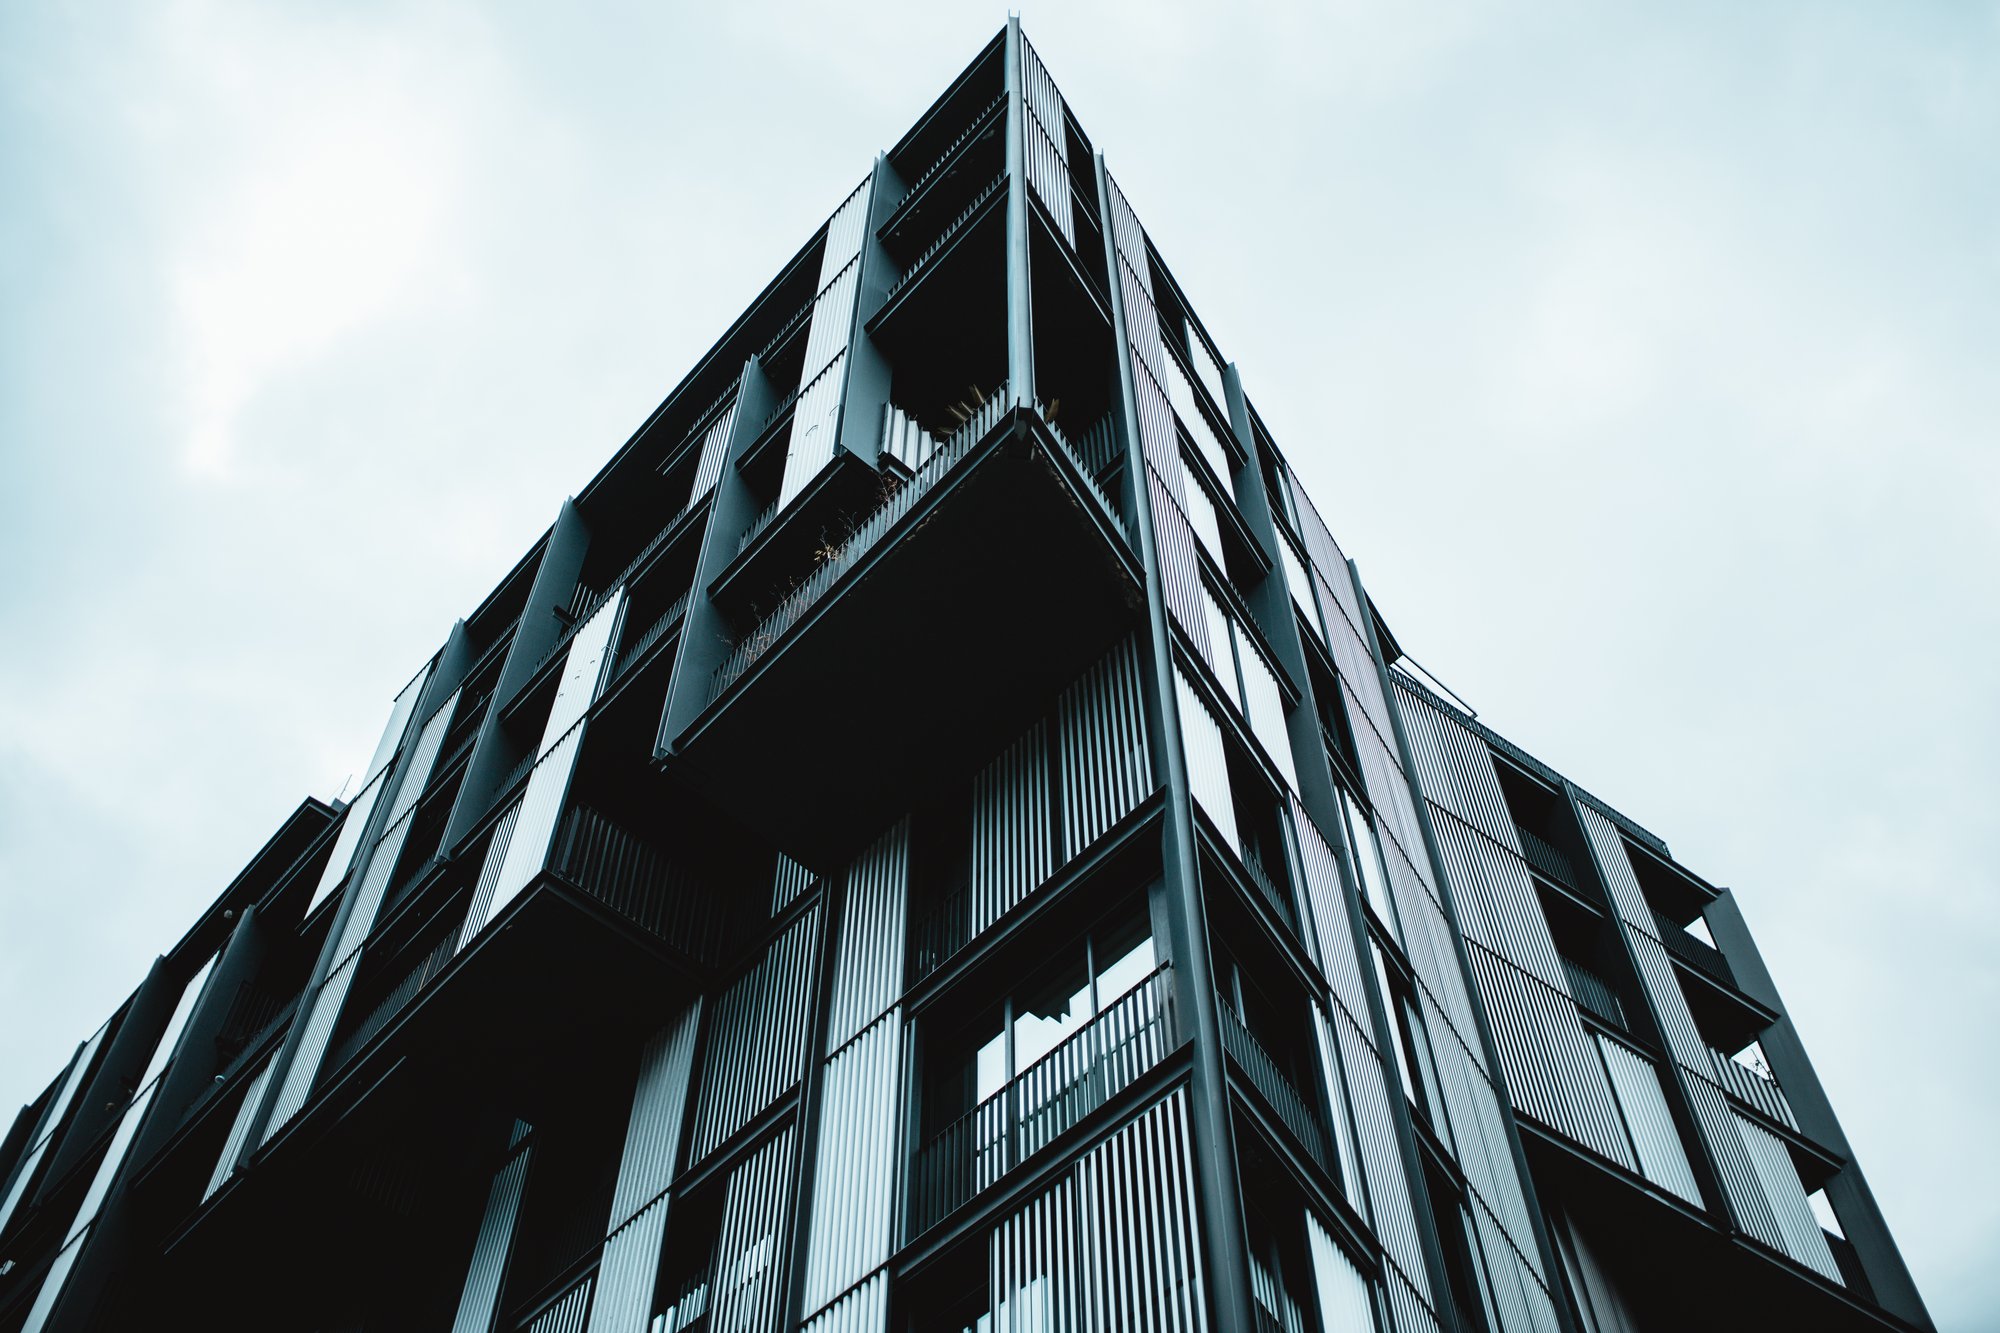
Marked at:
<point>1337,1100</point>
<point>585,667</point>
<point>714,451</point>
<point>854,1177</point>
<point>1344,1302</point>
<point>659,1105</point>
<point>480,909</point>
<point>788,881</point>
<point>756,1046</point>
<point>1797,1227</point>
<point>904,439</point>
<point>1332,932</point>
<point>1012,828</point>
<point>814,420</point>
<point>1389,1190</point>
<point>1136,1206</point>
<point>1106,769</point>
<point>862,1310</point>
<point>170,1036</point>
<point>1158,440</point>
<point>1180,571</point>
<point>868,961</point>
<point>416,770</point>
<point>50,1122</point>
<point>1221,651</point>
<point>1300,585</point>
<point>479,1299</point>
<point>844,232</point>
<point>353,824</point>
<point>1048,141</point>
<point>1032,1268</point>
<point>1265,707</point>
<point>1126,235</point>
<point>1208,768</point>
<point>1210,370</point>
<point>745,1282</point>
<point>628,1271</point>
<point>1187,407</point>
<point>1201,517</point>
<point>832,319</point>
<point>566,1315</point>
<point>239,1131</point>
<point>1636,1082</point>
<point>527,851</point>
<point>1325,553</point>
<point>322,1009</point>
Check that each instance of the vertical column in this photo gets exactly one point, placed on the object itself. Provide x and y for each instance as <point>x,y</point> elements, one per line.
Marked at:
<point>1020,321</point>
<point>1213,1128</point>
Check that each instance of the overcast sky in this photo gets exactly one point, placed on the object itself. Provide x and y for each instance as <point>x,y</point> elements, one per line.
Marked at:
<point>1645,358</point>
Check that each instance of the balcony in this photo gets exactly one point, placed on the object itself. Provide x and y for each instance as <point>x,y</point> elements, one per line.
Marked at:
<point>1698,954</point>
<point>1756,1091</point>
<point>1273,1086</point>
<point>1593,994</point>
<point>1045,1101</point>
<point>907,650</point>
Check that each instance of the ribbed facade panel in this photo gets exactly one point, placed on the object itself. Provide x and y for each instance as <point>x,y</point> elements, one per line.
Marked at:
<point>1325,554</point>
<point>1112,1244</point>
<point>479,910</point>
<point>832,318</point>
<point>534,827</point>
<point>659,1106</point>
<point>855,1174</point>
<point>568,1314</point>
<point>790,880</point>
<point>1200,511</point>
<point>1798,1231</point>
<point>1496,899</point>
<point>1047,146</point>
<point>1207,762</point>
<point>479,1300</point>
<point>1187,406</point>
<point>1265,708</point>
<point>714,451</point>
<point>757,1045</point>
<point>1370,1086</point>
<point>628,1271</point>
<point>322,1011</point>
<point>1332,932</point>
<point>815,423</point>
<point>747,1291</point>
<point>1159,441</point>
<point>1345,1302</point>
<point>1741,1185</point>
<point>845,231</point>
<point>868,959</point>
<point>1013,842</point>
<point>1104,766</point>
<point>353,823</point>
<point>1636,1080</point>
<point>1327,1047</point>
<point>862,1310</point>
<point>1455,767</point>
<point>239,1130</point>
<point>1181,582</point>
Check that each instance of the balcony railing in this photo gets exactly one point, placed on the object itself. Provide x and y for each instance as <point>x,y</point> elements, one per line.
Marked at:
<point>1048,1098</point>
<point>1277,1090</point>
<point>1592,994</point>
<point>1547,858</point>
<point>1752,1088</point>
<point>945,158</point>
<point>1267,887</point>
<point>613,867</point>
<point>1703,956</point>
<point>936,247</point>
<point>652,635</point>
<point>397,999</point>
<point>944,930</point>
<point>871,530</point>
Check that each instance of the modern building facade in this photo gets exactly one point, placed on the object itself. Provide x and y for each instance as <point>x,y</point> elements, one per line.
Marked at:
<point>936,836</point>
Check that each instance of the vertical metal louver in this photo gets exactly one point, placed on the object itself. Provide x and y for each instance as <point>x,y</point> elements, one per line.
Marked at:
<point>789,881</point>
<point>855,1174</point>
<point>479,1299</point>
<point>745,1286</point>
<point>1345,1305</point>
<point>1180,576</point>
<point>1012,835</point>
<point>239,1130</point>
<point>1636,1082</point>
<point>1104,765</point>
<point>1207,762</point>
<point>868,958</point>
<point>756,1046</point>
<point>480,907</point>
<point>1264,706</point>
<point>659,1106</point>
<point>816,415</point>
<point>714,451</point>
<point>1796,1231</point>
<point>566,1315</point>
<point>862,1310</point>
<point>1046,150</point>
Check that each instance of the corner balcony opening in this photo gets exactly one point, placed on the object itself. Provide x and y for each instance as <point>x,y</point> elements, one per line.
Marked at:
<point>924,643</point>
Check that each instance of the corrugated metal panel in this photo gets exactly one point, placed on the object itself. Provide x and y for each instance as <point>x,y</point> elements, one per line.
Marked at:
<point>322,1011</point>
<point>1345,1302</point>
<point>50,1124</point>
<point>905,439</point>
<point>756,1046</point>
<point>566,1315</point>
<point>832,320</point>
<point>1368,1085</point>
<point>1299,584</point>
<point>480,909</point>
<point>1180,576</point>
<point>1218,644</point>
<point>1105,767</point>
<point>714,451</point>
<point>1159,442</point>
<point>745,1280</point>
<point>855,1175</point>
<point>479,1299</point>
<point>1265,707</point>
<point>862,1310</point>
<point>1799,1233</point>
<point>1187,406</point>
<point>1032,1265</point>
<point>659,1105</point>
<point>1047,146</point>
<point>1496,898</point>
<point>1013,847</point>
<point>1136,1203</point>
<point>1455,767</point>
<point>1740,1184</point>
<point>239,1131</point>
<point>1200,511</point>
<point>1327,558</point>
<point>844,232</point>
<point>628,1270</point>
<point>1636,1080</point>
<point>1410,1311</point>
<point>1342,1124</point>
<point>586,667</point>
<point>868,962</point>
<point>1126,235</point>
<point>1208,367</point>
<point>815,423</point>
<point>1208,767</point>
<point>791,880</point>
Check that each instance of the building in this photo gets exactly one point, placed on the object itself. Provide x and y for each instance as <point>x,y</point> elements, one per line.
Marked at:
<point>937,836</point>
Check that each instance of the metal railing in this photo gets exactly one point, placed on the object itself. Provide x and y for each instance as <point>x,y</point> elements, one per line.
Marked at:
<point>951,229</point>
<point>1267,886</point>
<point>1049,1097</point>
<point>803,598</point>
<point>599,858</point>
<point>396,999</point>
<point>653,634</point>
<point>1271,1083</point>
<point>1095,454</point>
<point>1592,993</point>
<point>944,930</point>
<point>1546,857</point>
<point>944,159</point>
<point>1702,955</point>
<point>1752,1088</point>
